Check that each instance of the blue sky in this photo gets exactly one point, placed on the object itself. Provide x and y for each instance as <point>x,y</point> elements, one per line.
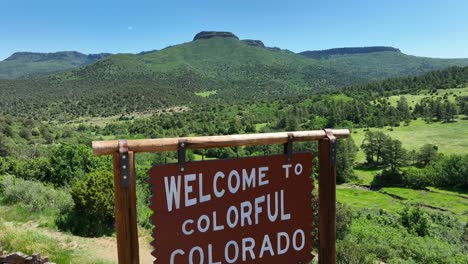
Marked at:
<point>433,28</point>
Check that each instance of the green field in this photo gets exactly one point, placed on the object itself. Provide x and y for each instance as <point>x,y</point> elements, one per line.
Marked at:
<point>415,98</point>
<point>447,202</point>
<point>206,93</point>
<point>419,133</point>
<point>443,201</point>
<point>365,199</point>
<point>365,176</point>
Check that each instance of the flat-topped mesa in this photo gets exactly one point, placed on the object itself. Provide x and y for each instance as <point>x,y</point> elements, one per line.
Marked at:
<point>213,34</point>
<point>60,55</point>
<point>347,51</point>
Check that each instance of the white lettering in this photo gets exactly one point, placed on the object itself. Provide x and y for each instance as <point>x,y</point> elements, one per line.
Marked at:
<point>248,248</point>
<point>216,227</point>
<point>283,250</point>
<point>283,215</point>
<point>298,169</point>
<point>261,175</point>
<point>246,211</point>
<point>175,252</point>
<point>203,198</point>
<point>230,223</point>
<point>272,217</point>
<point>248,181</point>
<point>286,168</point>
<point>258,208</point>
<point>184,227</point>
<point>266,245</point>
<point>172,192</point>
<point>233,174</point>
<point>192,252</point>
<point>217,193</point>
<point>210,255</point>
<point>206,219</point>
<point>294,239</point>
<point>188,189</point>
<point>236,252</point>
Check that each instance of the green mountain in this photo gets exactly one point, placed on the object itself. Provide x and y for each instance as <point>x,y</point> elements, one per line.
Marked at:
<point>228,69</point>
<point>380,62</point>
<point>453,77</point>
<point>22,64</point>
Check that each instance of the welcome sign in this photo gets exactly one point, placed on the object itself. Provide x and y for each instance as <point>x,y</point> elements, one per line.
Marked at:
<point>247,210</point>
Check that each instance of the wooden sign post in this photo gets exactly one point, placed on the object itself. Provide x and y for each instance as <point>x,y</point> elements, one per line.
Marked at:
<point>201,214</point>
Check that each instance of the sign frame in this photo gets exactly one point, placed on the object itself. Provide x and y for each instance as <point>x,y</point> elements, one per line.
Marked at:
<point>125,196</point>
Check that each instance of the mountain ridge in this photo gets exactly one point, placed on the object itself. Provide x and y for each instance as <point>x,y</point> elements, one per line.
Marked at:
<point>173,76</point>
<point>24,64</point>
<point>347,51</point>
<point>38,56</point>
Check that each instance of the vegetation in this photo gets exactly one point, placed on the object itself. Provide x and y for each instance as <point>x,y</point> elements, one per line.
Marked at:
<point>23,64</point>
<point>412,207</point>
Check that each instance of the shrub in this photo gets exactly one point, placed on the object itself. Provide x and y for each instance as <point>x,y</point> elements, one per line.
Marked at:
<point>36,196</point>
<point>387,178</point>
<point>143,210</point>
<point>450,171</point>
<point>350,252</point>
<point>71,162</point>
<point>415,220</point>
<point>94,205</point>
<point>344,219</point>
<point>415,178</point>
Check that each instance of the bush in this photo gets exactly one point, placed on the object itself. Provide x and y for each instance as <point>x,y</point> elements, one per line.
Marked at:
<point>415,220</point>
<point>143,210</point>
<point>415,178</point>
<point>72,162</point>
<point>450,171</point>
<point>36,196</point>
<point>94,206</point>
<point>387,178</point>
<point>344,219</point>
<point>350,252</point>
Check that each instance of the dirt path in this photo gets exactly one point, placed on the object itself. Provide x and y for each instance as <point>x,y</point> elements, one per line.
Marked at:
<point>106,248</point>
<point>103,249</point>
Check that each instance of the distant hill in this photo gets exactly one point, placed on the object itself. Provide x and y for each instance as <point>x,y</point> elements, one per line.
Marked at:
<point>318,54</point>
<point>236,70</point>
<point>23,64</point>
<point>441,79</point>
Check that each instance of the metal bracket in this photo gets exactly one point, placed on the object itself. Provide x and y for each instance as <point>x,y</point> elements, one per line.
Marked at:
<point>332,138</point>
<point>181,154</point>
<point>124,164</point>
<point>288,147</point>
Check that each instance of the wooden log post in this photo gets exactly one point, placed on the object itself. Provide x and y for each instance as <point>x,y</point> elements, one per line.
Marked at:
<point>125,205</point>
<point>327,199</point>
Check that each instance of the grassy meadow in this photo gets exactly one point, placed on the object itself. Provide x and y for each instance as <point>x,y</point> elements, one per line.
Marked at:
<point>450,138</point>
<point>450,94</point>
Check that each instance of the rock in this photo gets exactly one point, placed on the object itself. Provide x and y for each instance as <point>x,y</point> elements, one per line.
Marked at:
<point>253,42</point>
<point>213,34</point>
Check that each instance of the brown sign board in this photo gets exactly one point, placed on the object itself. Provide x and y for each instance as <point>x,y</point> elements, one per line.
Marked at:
<point>246,210</point>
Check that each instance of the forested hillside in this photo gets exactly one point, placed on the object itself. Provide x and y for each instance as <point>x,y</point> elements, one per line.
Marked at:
<point>440,79</point>
<point>397,202</point>
<point>228,69</point>
<point>24,64</point>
